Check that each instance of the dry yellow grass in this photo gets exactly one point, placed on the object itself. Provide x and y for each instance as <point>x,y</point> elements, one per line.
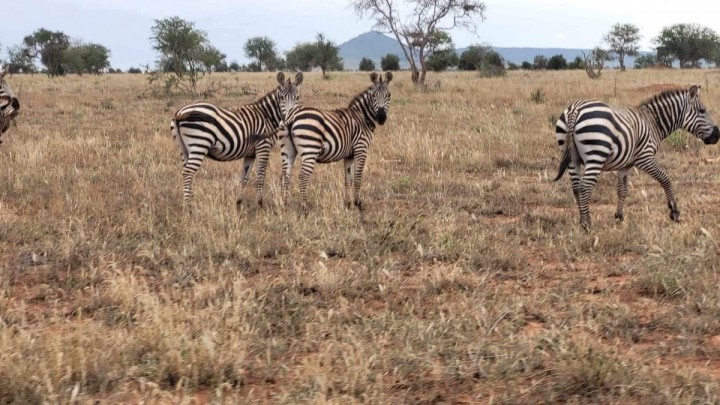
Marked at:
<point>468,279</point>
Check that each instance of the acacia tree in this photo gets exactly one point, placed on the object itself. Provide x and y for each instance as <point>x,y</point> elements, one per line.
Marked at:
<point>301,57</point>
<point>688,43</point>
<point>366,65</point>
<point>50,47</point>
<point>441,53</point>
<point>595,61</point>
<point>327,55</point>
<point>21,60</point>
<point>262,49</point>
<point>322,53</point>
<point>414,31</point>
<point>390,62</point>
<point>623,40</point>
<point>181,47</point>
<point>212,59</point>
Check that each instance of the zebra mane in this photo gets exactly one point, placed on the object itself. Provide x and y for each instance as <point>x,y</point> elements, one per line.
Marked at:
<point>663,96</point>
<point>357,97</point>
<point>267,95</point>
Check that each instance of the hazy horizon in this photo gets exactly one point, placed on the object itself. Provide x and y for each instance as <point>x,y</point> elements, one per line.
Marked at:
<point>124,26</point>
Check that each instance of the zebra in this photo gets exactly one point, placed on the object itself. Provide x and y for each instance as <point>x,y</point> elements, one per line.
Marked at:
<point>250,132</point>
<point>326,136</point>
<point>9,104</point>
<point>603,138</point>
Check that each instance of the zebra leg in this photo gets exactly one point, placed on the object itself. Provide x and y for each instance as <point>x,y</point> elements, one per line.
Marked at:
<point>360,158</point>
<point>575,180</point>
<point>263,156</point>
<point>589,179</point>
<point>306,170</point>
<point>248,163</point>
<point>288,154</point>
<point>348,179</point>
<point>622,192</point>
<point>650,167</point>
<point>190,167</point>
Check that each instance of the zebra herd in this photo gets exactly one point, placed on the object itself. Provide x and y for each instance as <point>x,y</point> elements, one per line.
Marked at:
<point>312,134</point>
<point>592,136</point>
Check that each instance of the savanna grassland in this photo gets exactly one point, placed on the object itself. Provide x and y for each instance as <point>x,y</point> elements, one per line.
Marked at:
<point>466,280</point>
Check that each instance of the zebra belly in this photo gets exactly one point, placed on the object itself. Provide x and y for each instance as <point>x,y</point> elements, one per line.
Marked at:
<point>328,155</point>
<point>225,156</point>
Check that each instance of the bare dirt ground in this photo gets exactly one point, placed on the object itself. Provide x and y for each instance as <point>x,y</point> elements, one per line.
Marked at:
<point>466,280</point>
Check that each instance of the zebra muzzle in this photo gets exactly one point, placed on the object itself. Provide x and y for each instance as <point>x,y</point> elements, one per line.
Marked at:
<point>713,138</point>
<point>381,116</point>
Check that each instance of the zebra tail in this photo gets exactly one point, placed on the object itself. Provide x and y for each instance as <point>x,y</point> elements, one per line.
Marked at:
<point>175,129</point>
<point>569,143</point>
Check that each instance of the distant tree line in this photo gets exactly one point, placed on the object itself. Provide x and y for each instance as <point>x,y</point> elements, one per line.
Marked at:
<point>58,54</point>
<point>185,52</point>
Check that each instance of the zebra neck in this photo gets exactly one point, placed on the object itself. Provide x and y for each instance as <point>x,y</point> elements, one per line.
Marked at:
<point>664,119</point>
<point>360,106</point>
<point>269,107</point>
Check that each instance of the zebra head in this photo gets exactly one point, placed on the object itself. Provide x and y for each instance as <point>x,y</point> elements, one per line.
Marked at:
<point>697,120</point>
<point>9,104</point>
<point>288,93</point>
<point>380,96</point>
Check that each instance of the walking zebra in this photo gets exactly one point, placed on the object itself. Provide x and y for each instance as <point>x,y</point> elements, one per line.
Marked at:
<point>9,104</point>
<point>603,138</point>
<point>326,136</point>
<point>204,129</point>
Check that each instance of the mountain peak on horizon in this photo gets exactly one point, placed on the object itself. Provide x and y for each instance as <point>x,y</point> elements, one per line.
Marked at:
<point>375,45</point>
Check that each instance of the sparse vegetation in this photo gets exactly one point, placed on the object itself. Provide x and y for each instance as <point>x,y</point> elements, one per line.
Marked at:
<point>468,278</point>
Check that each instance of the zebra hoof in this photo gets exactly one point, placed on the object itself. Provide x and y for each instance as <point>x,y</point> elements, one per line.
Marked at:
<point>238,202</point>
<point>586,225</point>
<point>359,205</point>
<point>260,203</point>
<point>675,216</point>
<point>620,216</point>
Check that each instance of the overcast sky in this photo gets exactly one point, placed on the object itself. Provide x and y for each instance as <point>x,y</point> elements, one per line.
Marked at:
<point>124,25</point>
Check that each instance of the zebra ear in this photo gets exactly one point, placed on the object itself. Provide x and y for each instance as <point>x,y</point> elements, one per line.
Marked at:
<point>373,77</point>
<point>3,71</point>
<point>694,90</point>
<point>280,77</point>
<point>298,78</point>
<point>388,77</point>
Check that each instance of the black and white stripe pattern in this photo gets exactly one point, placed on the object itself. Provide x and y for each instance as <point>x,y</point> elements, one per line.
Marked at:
<point>9,104</point>
<point>602,138</point>
<point>250,132</point>
<point>326,136</point>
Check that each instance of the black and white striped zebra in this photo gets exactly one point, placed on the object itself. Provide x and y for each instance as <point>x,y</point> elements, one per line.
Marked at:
<point>603,138</point>
<point>9,104</point>
<point>326,136</point>
<point>250,132</point>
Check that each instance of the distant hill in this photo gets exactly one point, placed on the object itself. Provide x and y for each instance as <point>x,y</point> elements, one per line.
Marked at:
<point>375,45</point>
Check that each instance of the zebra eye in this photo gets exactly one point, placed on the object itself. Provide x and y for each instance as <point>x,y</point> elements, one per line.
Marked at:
<point>702,111</point>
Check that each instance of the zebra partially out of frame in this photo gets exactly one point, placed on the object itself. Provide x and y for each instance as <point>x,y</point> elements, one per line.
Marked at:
<point>9,104</point>
<point>250,132</point>
<point>604,138</point>
<point>326,136</point>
